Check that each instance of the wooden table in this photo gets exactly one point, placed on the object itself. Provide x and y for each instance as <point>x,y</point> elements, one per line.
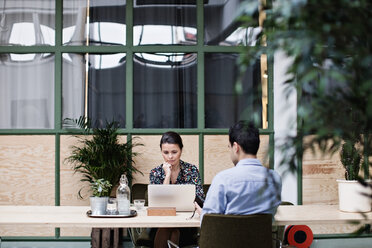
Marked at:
<point>318,214</point>
<point>75,216</point>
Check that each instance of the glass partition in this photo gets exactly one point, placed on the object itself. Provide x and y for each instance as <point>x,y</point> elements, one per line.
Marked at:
<point>93,85</point>
<point>27,23</point>
<point>94,22</point>
<point>164,92</point>
<point>27,91</point>
<point>164,23</point>
<point>229,95</point>
<point>222,28</point>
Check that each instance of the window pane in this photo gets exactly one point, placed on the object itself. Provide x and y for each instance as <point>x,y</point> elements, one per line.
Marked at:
<point>227,100</point>
<point>105,21</point>
<point>26,91</point>
<point>164,22</point>
<point>27,23</point>
<point>165,90</point>
<point>221,26</point>
<point>94,85</point>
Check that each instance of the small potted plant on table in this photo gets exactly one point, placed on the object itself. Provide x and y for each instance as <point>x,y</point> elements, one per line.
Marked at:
<point>98,202</point>
<point>353,195</point>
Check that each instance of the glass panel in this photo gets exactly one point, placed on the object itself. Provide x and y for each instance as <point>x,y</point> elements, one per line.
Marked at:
<point>105,21</point>
<point>27,91</point>
<point>165,90</point>
<point>221,26</point>
<point>164,22</point>
<point>27,23</point>
<point>228,100</point>
<point>93,85</point>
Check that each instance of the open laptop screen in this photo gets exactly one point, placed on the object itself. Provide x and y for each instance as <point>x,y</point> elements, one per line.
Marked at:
<point>180,196</point>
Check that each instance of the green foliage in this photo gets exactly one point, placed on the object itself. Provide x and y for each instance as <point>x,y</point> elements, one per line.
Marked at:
<point>101,187</point>
<point>329,43</point>
<point>351,160</point>
<point>101,156</point>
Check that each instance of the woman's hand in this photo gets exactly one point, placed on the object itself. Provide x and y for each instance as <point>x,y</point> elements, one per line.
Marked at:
<point>168,171</point>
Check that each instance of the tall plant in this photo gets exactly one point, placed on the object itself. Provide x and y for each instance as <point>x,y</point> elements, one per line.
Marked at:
<point>330,45</point>
<point>102,156</point>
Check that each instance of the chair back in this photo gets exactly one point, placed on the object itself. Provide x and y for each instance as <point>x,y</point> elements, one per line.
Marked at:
<point>206,188</point>
<point>221,231</point>
<point>139,191</point>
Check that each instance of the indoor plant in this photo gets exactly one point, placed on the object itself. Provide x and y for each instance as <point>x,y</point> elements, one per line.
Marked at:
<point>352,195</point>
<point>98,200</point>
<point>329,46</point>
<point>101,155</point>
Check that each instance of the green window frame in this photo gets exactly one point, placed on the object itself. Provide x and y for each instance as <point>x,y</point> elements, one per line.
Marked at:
<point>129,49</point>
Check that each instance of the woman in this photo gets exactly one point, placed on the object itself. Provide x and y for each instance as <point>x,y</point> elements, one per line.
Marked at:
<point>175,171</point>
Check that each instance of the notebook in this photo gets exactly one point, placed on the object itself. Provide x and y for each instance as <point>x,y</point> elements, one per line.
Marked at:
<point>180,196</point>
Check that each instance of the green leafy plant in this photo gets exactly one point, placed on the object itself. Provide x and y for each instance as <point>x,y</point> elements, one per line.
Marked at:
<point>351,160</point>
<point>101,155</point>
<point>329,44</point>
<point>101,187</point>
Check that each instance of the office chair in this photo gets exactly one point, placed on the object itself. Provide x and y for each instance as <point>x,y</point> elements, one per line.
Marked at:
<point>221,231</point>
<point>141,237</point>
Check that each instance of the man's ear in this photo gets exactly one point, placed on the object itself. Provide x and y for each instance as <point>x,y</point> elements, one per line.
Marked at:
<point>236,147</point>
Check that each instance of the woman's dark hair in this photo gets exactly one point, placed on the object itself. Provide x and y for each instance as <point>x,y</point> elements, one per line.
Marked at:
<point>171,138</point>
<point>246,135</point>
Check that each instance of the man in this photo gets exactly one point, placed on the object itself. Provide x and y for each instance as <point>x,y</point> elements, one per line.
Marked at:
<point>247,188</point>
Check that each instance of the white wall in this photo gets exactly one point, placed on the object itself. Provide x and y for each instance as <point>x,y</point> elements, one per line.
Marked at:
<point>284,124</point>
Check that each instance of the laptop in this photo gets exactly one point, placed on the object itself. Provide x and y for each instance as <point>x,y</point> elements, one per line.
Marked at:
<point>180,196</point>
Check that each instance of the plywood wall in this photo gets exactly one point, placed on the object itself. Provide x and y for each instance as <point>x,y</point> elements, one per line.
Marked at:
<point>27,177</point>
<point>217,155</point>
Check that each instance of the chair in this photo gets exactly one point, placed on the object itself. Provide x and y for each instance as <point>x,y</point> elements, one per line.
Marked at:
<point>140,236</point>
<point>236,231</point>
<point>221,231</point>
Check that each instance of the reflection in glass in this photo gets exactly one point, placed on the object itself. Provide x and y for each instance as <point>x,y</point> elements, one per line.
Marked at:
<point>165,90</point>
<point>221,26</point>
<point>226,99</point>
<point>93,85</point>
<point>164,24</point>
<point>105,21</point>
<point>27,91</point>
<point>27,23</point>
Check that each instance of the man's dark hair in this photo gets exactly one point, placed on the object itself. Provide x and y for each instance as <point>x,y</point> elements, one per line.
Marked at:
<point>171,138</point>
<point>246,135</point>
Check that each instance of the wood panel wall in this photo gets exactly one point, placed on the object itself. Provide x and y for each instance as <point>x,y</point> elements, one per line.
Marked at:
<point>217,155</point>
<point>27,177</point>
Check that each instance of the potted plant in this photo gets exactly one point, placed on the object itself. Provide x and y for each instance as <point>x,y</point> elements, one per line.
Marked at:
<point>98,201</point>
<point>353,195</point>
<point>100,158</point>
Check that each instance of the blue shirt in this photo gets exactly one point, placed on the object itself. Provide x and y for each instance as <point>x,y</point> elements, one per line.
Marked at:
<point>247,188</point>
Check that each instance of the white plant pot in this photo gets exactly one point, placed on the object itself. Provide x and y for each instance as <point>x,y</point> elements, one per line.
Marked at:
<point>352,198</point>
<point>98,205</point>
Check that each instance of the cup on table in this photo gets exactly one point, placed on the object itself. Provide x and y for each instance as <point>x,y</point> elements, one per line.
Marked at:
<point>139,204</point>
<point>112,206</point>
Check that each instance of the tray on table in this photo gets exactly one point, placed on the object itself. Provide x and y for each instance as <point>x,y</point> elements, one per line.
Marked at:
<point>132,213</point>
